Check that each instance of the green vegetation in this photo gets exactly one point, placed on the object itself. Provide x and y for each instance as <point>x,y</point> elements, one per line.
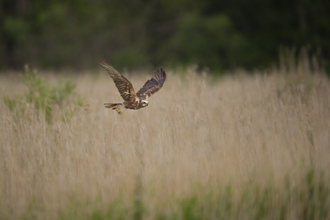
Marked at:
<point>306,201</point>
<point>134,34</point>
<point>43,98</point>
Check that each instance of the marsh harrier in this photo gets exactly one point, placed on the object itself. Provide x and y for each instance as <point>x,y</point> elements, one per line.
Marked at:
<point>132,100</point>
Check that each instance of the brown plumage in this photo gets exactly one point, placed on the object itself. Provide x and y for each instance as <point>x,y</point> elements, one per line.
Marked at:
<point>132,100</point>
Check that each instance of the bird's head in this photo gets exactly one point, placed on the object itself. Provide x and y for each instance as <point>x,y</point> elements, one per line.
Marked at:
<point>145,103</point>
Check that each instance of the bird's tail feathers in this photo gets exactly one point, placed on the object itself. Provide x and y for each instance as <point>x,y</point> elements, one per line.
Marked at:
<point>119,107</point>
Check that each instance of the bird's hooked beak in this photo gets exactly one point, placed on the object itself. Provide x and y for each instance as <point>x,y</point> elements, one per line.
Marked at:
<point>145,103</point>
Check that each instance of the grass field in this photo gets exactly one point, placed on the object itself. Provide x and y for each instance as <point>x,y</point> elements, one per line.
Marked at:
<point>244,146</point>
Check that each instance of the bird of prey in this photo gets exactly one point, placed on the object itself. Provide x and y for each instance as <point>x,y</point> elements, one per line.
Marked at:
<point>132,100</point>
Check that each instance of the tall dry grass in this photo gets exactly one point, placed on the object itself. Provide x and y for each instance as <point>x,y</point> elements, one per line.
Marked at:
<point>198,134</point>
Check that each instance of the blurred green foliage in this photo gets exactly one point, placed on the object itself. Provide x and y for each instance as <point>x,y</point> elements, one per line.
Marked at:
<point>213,41</point>
<point>41,98</point>
<point>138,33</point>
<point>306,201</point>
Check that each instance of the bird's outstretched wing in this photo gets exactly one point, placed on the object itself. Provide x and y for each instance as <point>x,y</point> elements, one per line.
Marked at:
<point>124,86</point>
<point>152,85</point>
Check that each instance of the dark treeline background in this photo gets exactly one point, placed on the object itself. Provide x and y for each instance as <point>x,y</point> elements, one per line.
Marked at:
<point>138,33</point>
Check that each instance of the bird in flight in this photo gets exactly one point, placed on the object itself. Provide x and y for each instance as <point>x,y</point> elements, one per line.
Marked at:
<point>132,100</point>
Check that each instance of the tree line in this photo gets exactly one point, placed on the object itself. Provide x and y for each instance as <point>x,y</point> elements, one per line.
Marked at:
<point>220,35</point>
